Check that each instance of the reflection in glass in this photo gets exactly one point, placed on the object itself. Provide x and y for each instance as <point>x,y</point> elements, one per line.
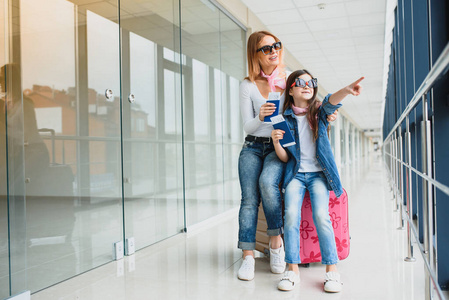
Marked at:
<point>152,156</point>
<point>71,138</point>
<point>200,100</point>
<point>143,84</point>
<point>217,104</point>
<point>169,103</point>
<point>233,51</point>
<point>4,251</point>
<point>67,142</point>
<point>203,147</point>
<point>214,49</point>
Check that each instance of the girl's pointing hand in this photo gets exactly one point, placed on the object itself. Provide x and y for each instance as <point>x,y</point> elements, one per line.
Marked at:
<point>355,88</point>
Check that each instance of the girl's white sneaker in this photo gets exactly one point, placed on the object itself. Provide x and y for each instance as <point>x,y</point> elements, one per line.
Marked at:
<point>332,283</point>
<point>289,281</point>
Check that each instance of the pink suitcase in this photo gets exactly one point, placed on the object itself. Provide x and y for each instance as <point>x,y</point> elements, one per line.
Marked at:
<point>338,210</point>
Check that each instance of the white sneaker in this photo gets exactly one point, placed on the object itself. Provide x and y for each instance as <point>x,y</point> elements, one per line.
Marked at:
<point>246,271</point>
<point>277,259</point>
<point>289,281</point>
<point>332,283</point>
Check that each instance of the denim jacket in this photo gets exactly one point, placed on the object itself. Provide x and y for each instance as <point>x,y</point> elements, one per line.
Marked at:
<point>324,153</point>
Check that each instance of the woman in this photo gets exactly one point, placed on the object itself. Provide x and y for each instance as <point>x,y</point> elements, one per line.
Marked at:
<point>260,170</point>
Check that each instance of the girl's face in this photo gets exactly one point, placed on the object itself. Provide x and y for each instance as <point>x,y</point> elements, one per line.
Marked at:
<point>271,59</point>
<point>302,94</point>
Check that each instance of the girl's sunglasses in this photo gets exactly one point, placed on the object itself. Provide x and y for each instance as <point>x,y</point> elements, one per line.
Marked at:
<point>269,48</point>
<point>299,82</point>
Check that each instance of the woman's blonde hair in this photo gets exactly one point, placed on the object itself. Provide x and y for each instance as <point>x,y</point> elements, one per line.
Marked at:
<point>251,52</point>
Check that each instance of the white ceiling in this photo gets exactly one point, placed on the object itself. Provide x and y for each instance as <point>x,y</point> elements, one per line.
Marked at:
<point>337,44</point>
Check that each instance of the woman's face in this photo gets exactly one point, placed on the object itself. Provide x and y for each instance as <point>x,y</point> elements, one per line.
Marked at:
<point>270,60</point>
<point>302,93</point>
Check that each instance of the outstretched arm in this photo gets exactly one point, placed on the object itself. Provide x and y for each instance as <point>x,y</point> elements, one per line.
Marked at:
<point>353,89</point>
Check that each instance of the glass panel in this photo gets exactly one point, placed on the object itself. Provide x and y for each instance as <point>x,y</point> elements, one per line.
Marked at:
<point>4,243</point>
<point>4,252</point>
<point>68,55</point>
<point>4,249</point>
<point>152,125</point>
<point>203,111</point>
<point>233,64</point>
<point>214,49</point>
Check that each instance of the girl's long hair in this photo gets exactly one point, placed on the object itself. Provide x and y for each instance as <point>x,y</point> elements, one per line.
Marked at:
<point>251,52</point>
<point>314,103</point>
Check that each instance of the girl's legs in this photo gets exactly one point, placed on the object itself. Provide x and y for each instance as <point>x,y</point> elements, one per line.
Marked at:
<point>294,195</point>
<point>293,267</point>
<point>331,268</point>
<point>319,197</point>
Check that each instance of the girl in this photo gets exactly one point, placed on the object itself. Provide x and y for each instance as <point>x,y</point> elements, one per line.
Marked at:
<point>310,166</point>
<point>260,171</point>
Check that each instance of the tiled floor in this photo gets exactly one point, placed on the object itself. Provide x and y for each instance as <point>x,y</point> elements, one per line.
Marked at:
<point>203,263</point>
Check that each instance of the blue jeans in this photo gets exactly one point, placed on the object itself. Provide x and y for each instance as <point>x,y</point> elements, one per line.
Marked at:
<point>315,183</point>
<point>260,172</point>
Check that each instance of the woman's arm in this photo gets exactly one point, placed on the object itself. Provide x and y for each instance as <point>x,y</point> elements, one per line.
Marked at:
<point>277,135</point>
<point>353,89</point>
<point>251,121</point>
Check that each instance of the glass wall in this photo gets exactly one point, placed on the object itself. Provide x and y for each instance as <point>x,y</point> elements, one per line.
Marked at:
<point>214,49</point>
<point>151,120</point>
<point>116,121</point>
<point>233,65</point>
<point>4,246</point>
<point>4,251</point>
<point>69,131</point>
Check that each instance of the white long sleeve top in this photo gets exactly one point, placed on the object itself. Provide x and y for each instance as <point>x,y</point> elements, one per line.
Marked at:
<point>250,102</point>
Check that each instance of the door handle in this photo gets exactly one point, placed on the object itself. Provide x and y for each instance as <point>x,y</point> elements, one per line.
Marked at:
<point>109,95</point>
<point>131,98</point>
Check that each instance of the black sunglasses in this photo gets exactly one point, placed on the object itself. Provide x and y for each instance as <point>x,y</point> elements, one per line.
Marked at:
<point>299,82</point>
<point>269,48</point>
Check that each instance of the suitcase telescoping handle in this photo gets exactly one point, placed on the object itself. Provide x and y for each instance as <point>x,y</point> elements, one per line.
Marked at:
<point>52,132</point>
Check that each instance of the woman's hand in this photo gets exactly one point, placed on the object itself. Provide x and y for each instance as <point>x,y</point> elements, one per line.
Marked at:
<point>267,109</point>
<point>277,135</point>
<point>355,88</point>
<point>333,117</point>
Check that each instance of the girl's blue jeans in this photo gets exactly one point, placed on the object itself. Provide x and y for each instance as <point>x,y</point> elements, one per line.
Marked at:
<point>260,172</point>
<point>315,183</point>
